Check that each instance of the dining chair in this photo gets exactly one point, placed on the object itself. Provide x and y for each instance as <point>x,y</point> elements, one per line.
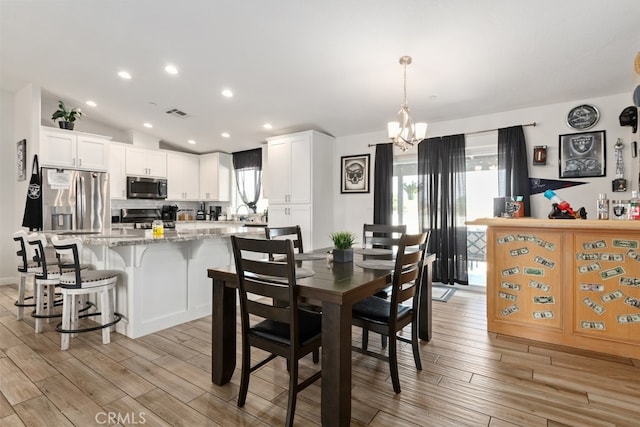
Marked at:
<point>382,235</point>
<point>270,317</point>
<point>293,232</point>
<point>388,317</point>
<point>76,283</point>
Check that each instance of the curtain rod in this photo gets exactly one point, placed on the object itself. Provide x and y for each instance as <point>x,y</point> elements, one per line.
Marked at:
<point>473,133</point>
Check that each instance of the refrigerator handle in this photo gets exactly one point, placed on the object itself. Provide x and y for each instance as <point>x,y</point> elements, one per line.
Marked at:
<point>80,202</point>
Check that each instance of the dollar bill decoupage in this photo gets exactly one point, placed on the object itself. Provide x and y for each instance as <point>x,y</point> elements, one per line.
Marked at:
<point>530,276</point>
<point>609,294</point>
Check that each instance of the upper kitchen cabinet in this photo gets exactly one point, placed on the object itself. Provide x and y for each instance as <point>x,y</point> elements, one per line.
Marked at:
<point>77,150</point>
<point>117,174</point>
<point>143,162</point>
<point>300,180</point>
<point>183,176</point>
<point>215,177</point>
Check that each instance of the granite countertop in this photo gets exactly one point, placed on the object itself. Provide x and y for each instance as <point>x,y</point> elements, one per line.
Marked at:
<point>128,236</point>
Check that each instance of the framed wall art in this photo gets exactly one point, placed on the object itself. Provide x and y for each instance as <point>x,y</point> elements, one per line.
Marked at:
<point>354,174</point>
<point>21,159</point>
<point>582,154</point>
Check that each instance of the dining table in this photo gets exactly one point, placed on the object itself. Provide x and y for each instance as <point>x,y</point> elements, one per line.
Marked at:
<point>335,287</point>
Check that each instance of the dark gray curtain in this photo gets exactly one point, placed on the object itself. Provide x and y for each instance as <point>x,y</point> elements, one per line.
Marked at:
<point>248,168</point>
<point>513,172</point>
<point>442,205</point>
<point>383,185</point>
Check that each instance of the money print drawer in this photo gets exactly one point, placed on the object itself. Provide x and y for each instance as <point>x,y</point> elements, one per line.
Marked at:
<point>567,282</point>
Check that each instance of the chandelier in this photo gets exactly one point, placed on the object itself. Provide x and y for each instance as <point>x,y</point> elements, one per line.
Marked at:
<point>404,133</point>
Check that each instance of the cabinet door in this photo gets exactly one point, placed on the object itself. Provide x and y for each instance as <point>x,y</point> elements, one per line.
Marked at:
<point>93,153</point>
<point>301,215</point>
<point>300,179</point>
<point>215,177</point>
<point>58,148</point>
<point>117,175</point>
<point>278,216</point>
<point>136,161</point>
<point>209,176</point>
<point>142,162</point>
<point>183,176</point>
<point>279,170</point>
<point>157,163</point>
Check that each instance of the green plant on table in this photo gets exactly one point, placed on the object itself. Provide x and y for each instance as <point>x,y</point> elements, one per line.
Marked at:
<point>343,239</point>
<point>66,115</point>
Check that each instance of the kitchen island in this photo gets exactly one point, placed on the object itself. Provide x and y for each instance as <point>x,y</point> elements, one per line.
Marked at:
<point>164,280</point>
<point>563,281</point>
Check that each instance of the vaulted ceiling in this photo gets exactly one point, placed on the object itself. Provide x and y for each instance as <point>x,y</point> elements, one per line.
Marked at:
<point>330,65</point>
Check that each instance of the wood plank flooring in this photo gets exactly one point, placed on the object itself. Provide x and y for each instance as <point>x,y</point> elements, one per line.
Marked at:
<point>469,378</point>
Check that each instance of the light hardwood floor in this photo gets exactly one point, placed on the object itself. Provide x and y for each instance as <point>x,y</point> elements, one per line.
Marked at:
<point>469,377</point>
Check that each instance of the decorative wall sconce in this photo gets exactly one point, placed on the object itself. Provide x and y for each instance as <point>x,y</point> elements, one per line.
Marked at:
<point>540,155</point>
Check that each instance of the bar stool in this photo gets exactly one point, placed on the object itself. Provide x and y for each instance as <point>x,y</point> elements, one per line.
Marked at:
<point>77,282</point>
<point>27,268</point>
<point>47,278</point>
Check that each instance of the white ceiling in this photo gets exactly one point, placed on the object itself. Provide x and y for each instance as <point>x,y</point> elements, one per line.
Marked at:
<point>330,65</point>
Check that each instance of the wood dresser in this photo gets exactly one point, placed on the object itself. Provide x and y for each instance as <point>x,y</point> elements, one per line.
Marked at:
<point>568,282</point>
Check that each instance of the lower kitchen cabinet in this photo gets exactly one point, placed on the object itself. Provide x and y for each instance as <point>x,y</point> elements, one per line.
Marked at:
<point>287,215</point>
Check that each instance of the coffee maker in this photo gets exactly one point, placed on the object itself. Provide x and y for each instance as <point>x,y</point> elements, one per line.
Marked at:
<point>214,212</point>
<point>169,212</point>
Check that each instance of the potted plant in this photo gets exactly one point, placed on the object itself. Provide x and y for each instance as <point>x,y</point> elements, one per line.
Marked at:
<point>66,117</point>
<point>342,246</point>
<point>411,189</point>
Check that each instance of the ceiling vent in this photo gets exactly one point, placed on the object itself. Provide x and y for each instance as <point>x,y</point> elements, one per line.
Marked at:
<point>177,113</point>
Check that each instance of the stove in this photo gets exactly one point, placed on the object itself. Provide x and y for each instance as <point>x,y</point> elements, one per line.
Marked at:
<point>143,218</point>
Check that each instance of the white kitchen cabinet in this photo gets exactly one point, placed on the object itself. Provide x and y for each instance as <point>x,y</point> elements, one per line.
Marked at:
<point>183,176</point>
<point>144,162</point>
<point>215,177</point>
<point>77,150</point>
<point>290,181</point>
<point>117,174</point>
<point>301,189</point>
<point>287,215</point>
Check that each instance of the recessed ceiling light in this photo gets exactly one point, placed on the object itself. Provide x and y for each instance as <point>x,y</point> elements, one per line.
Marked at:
<point>191,141</point>
<point>227,93</point>
<point>91,103</point>
<point>225,134</point>
<point>123,74</point>
<point>267,126</point>
<point>148,125</point>
<point>171,69</point>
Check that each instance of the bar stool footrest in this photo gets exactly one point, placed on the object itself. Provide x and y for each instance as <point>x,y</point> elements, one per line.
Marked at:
<point>116,318</point>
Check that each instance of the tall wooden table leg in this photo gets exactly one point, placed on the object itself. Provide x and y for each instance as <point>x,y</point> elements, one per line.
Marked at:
<point>336,364</point>
<point>223,331</point>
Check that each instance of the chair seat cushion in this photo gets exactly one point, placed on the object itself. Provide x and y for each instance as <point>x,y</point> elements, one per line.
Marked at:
<point>89,278</point>
<point>310,327</point>
<point>377,310</point>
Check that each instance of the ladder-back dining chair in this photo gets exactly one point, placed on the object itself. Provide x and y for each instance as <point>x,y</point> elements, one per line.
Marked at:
<point>388,317</point>
<point>270,317</point>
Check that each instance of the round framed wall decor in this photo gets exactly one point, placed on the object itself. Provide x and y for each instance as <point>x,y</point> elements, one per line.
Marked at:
<point>583,117</point>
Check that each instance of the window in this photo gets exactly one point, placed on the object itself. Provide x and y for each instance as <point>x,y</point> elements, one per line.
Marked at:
<point>405,193</point>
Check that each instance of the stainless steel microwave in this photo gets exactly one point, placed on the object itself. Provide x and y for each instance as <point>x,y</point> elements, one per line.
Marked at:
<point>146,188</point>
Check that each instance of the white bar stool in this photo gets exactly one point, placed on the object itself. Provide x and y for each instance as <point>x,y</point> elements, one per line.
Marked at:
<point>77,282</point>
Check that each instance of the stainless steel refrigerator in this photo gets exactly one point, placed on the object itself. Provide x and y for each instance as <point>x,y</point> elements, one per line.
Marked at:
<point>75,200</point>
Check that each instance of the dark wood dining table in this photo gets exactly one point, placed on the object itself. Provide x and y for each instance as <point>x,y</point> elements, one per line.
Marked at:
<point>337,286</point>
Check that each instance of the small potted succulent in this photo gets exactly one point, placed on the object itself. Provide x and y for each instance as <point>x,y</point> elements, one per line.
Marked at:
<point>342,246</point>
<point>65,116</point>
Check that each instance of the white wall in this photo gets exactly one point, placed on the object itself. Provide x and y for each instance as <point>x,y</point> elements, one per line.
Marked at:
<point>352,210</point>
<point>7,188</point>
